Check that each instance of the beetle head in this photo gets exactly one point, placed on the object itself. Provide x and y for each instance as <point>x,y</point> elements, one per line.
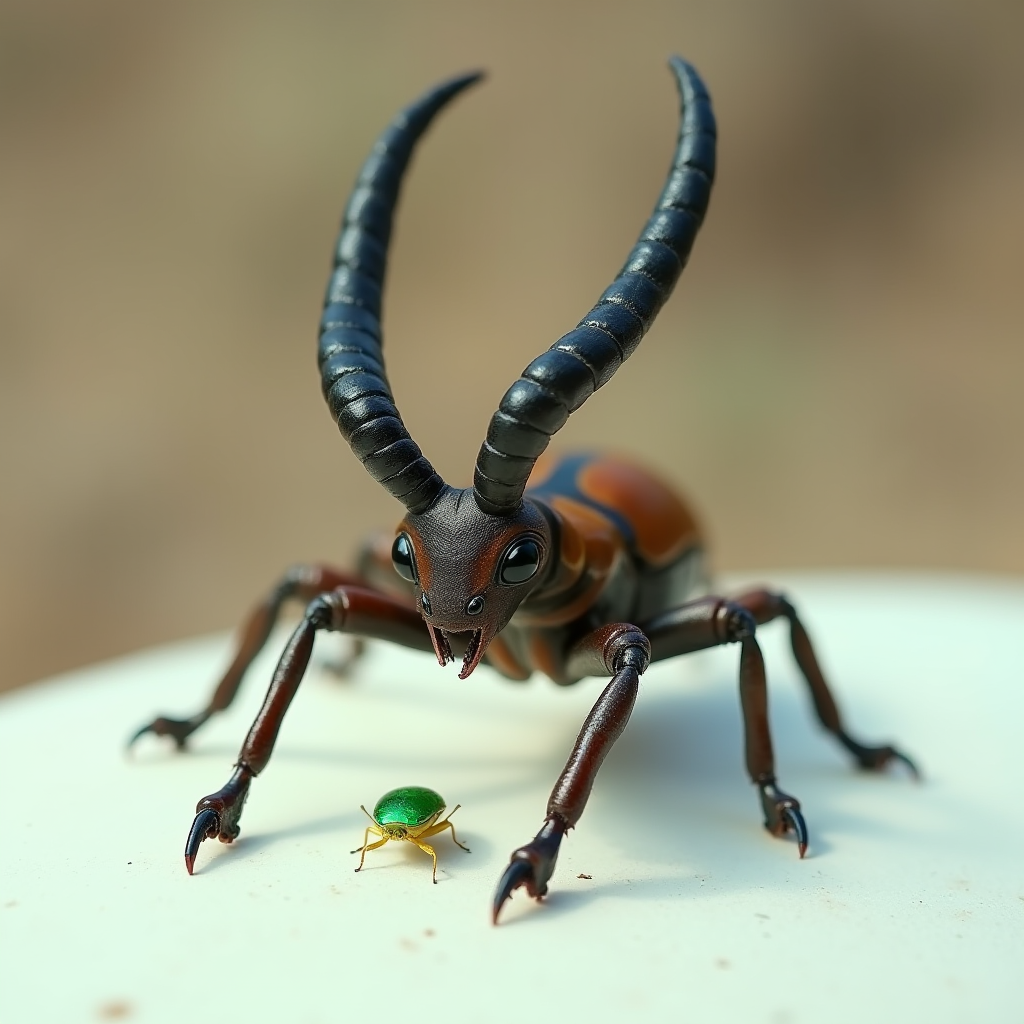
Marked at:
<point>471,570</point>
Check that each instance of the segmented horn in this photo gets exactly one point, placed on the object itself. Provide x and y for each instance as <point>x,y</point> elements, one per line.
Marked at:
<point>558,382</point>
<point>355,383</point>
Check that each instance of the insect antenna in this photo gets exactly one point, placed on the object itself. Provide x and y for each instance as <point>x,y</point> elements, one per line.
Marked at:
<point>558,382</point>
<point>451,812</point>
<point>352,370</point>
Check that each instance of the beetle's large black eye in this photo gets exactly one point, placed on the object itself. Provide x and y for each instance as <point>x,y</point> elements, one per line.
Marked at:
<point>403,559</point>
<point>521,561</point>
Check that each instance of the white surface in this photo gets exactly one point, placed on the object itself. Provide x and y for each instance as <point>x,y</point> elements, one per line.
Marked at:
<point>909,907</point>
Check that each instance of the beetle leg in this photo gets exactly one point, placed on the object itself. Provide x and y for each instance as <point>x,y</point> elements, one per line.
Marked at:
<point>531,865</point>
<point>710,622</point>
<point>782,813</point>
<point>366,842</point>
<point>429,851</point>
<point>766,605</point>
<point>436,830</point>
<point>624,652</point>
<point>368,846</point>
<point>302,581</point>
<point>346,609</point>
<point>217,815</point>
<point>455,839</point>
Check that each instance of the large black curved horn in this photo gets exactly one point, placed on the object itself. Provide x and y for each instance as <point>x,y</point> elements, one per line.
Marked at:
<point>563,378</point>
<point>351,364</point>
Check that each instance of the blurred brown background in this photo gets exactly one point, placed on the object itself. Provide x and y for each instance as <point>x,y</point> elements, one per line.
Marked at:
<point>837,380</point>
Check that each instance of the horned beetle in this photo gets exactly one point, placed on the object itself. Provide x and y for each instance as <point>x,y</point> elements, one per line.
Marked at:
<point>580,566</point>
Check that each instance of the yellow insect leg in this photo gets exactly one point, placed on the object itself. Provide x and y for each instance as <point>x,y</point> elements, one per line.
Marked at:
<point>366,836</point>
<point>369,846</point>
<point>440,827</point>
<point>426,849</point>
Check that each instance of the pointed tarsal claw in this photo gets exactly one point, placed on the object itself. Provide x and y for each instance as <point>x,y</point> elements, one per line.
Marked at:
<point>206,826</point>
<point>795,823</point>
<point>519,872</point>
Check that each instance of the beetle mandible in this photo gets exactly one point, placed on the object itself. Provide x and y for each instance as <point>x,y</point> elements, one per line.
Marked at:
<point>580,566</point>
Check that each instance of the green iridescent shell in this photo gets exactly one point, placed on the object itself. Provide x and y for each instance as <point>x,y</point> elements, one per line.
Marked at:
<point>407,805</point>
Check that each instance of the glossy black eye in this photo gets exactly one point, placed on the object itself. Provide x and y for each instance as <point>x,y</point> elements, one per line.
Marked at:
<point>475,605</point>
<point>521,561</point>
<point>403,559</point>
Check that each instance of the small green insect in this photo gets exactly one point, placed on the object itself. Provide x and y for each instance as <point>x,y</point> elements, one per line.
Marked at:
<point>409,813</point>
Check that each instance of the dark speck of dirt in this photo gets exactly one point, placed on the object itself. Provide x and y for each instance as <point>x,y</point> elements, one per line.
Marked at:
<point>116,1010</point>
<point>581,875</point>
<point>429,932</point>
<point>722,964</point>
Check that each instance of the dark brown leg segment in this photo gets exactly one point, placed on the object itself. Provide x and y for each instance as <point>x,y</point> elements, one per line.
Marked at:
<point>303,582</point>
<point>710,622</point>
<point>623,651</point>
<point>766,605</point>
<point>357,610</point>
